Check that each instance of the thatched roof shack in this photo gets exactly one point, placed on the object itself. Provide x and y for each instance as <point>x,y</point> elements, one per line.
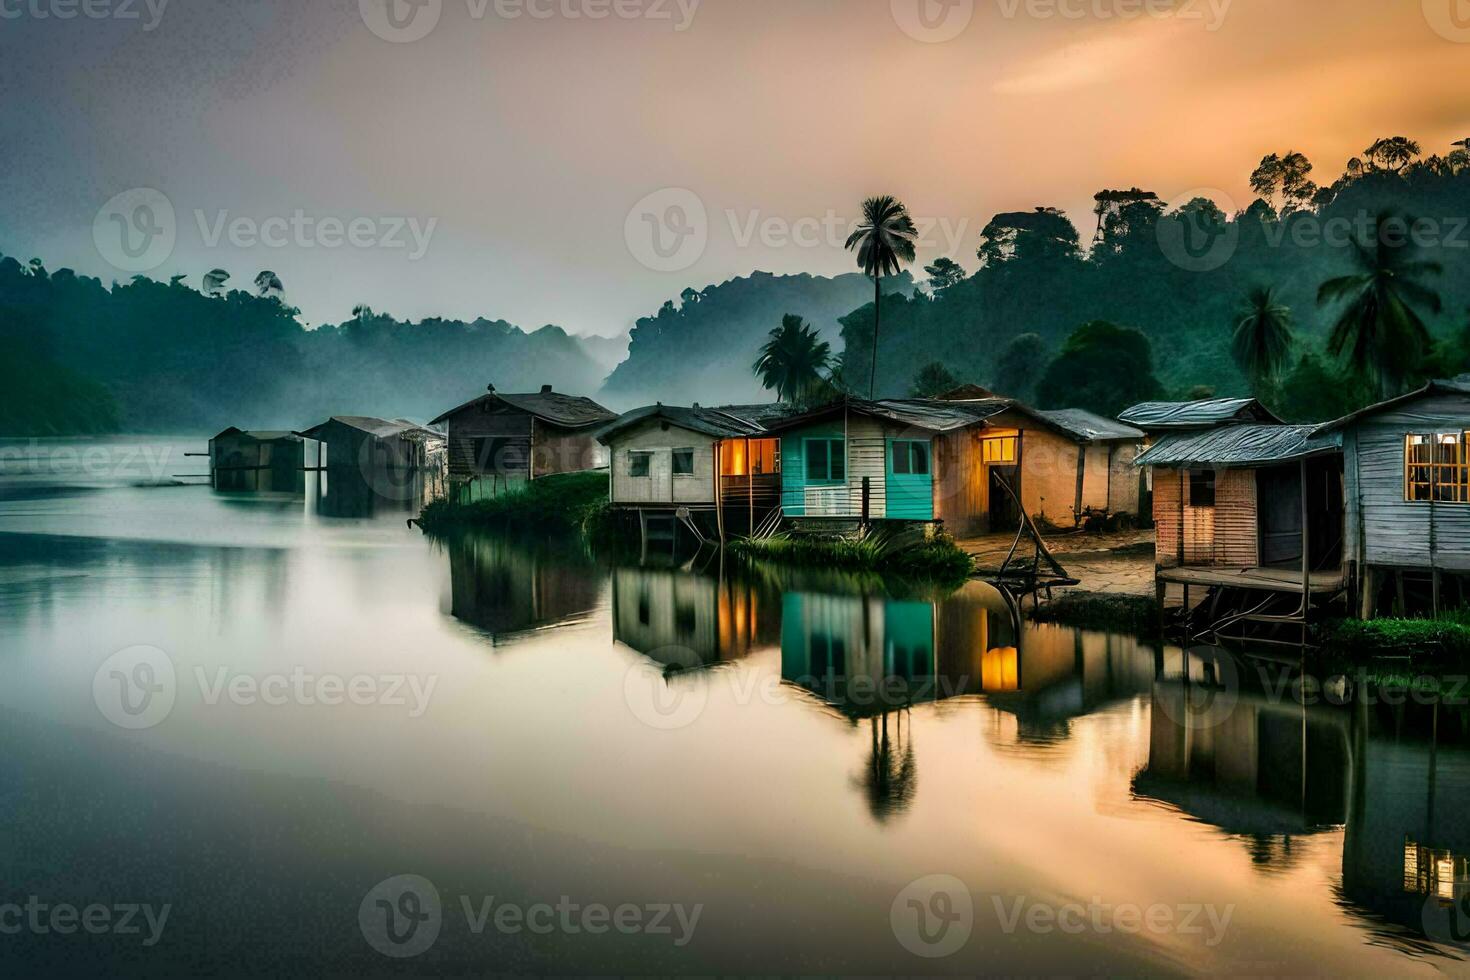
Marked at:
<point>500,441</point>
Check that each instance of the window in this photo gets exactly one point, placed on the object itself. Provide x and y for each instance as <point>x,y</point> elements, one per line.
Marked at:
<point>999,451</point>
<point>826,461</point>
<point>638,464</point>
<point>763,458</point>
<point>683,462</point>
<point>910,458</point>
<point>1201,488</point>
<point>1437,468</point>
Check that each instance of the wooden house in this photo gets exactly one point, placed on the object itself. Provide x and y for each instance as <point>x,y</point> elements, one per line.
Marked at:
<point>364,460</point>
<point>1375,505</point>
<point>272,462</point>
<point>719,466</point>
<point>1407,535</point>
<point>971,463</point>
<point>500,442</point>
<point>1256,509</point>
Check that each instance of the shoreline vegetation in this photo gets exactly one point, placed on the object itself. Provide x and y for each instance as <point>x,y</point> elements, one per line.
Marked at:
<point>936,558</point>
<point>574,502</point>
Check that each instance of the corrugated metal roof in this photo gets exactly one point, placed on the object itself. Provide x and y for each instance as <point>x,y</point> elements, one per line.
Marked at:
<point>932,415</point>
<point>1196,414</point>
<point>1458,386</point>
<point>1092,427</point>
<point>727,422</point>
<point>569,411</point>
<point>1239,445</point>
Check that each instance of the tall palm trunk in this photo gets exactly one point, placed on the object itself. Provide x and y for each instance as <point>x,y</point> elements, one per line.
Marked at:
<point>877,321</point>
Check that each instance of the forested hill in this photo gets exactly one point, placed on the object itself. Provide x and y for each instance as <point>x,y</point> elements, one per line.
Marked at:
<point>702,348</point>
<point>1182,275</point>
<point>164,357</point>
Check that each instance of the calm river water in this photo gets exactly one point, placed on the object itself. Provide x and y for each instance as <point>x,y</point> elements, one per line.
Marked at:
<point>293,742</point>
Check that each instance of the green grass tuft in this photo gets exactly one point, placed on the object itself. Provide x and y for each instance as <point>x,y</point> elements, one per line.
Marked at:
<point>937,558</point>
<point>568,502</point>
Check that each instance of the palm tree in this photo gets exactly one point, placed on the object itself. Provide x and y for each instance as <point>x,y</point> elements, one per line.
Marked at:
<point>884,242</point>
<point>793,359</point>
<point>214,281</point>
<point>1262,338</point>
<point>268,284</point>
<point>1379,327</point>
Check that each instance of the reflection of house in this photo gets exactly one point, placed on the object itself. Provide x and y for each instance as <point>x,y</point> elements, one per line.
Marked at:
<point>506,587</point>
<point>1406,853</point>
<point>257,461</point>
<point>871,654</point>
<point>952,460</point>
<point>1062,674</point>
<point>711,461</point>
<point>1243,762</point>
<point>499,442</point>
<point>687,621</point>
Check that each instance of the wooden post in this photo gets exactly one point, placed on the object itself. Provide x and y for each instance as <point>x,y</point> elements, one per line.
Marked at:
<point>719,492</point>
<point>867,496</point>
<point>750,486</point>
<point>1306,546</point>
<point>1081,480</point>
<point>1183,489</point>
<point>1368,584</point>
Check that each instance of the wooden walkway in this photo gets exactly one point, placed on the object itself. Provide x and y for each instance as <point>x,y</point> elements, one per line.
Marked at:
<point>1260,579</point>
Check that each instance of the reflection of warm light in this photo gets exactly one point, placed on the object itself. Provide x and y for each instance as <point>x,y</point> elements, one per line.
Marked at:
<point>1444,873</point>
<point>1000,670</point>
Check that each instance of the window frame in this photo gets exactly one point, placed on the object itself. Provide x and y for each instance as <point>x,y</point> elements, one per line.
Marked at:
<point>827,442</point>
<point>1005,446</point>
<point>1197,480</point>
<point>1440,480</point>
<point>674,455</point>
<point>913,450</point>
<point>636,456</point>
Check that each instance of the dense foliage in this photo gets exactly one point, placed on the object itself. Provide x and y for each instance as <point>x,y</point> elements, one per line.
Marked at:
<point>1181,275</point>
<point>701,349</point>
<point>177,359</point>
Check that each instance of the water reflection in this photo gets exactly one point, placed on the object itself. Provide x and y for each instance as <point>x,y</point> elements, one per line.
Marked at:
<point>685,621</point>
<point>507,586</point>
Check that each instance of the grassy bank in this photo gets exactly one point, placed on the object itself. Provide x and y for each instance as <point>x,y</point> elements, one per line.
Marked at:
<point>1133,614</point>
<point>1421,641</point>
<point>936,559</point>
<point>570,502</point>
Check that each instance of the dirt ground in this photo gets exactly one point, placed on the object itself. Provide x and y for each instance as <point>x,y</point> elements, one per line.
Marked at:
<point>1121,563</point>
